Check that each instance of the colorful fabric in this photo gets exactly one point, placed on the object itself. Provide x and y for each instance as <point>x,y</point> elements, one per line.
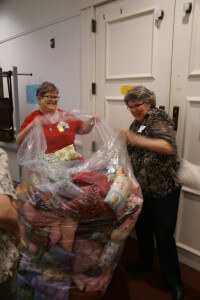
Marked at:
<point>39,218</point>
<point>68,229</point>
<point>99,283</point>
<point>55,139</point>
<point>84,206</point>
<point>38,236</point>
<point>119,236</point>
<point>54,274</point>
<point>63,188</point>
<point>133,217</point>
<point>67,153</point>
<point>8,251</point>
<point>130,208</point>
<point>52,167</point>
<point>119,192</point>
<point>26,265</point>
<point>55,290</point>
<point>56,256</point>
<point>85,256</point>
<point>41,200</point>
<point>102,226</point>
<point>108,254</point>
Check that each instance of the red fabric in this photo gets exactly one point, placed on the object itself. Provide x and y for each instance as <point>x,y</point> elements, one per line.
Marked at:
<point>85,206</point>
<point>99,180</point>
<point>56,140</point>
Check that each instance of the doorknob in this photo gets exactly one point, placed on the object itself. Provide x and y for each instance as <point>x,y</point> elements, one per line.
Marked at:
<point>187,7</point>
<point>175,117</point>
<point>159,14</point>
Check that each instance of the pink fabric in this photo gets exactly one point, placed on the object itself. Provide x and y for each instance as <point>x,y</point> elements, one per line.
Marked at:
<point>55,234</point>
<point>38,218</point>
<point>126,224</point>
<point>32,248</point>
<point>68,228</point>
<point>85,258</point>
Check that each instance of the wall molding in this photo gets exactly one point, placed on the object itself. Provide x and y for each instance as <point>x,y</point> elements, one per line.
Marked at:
<point>95,3</point>
<point>188,249</point>
<point>62,19</point>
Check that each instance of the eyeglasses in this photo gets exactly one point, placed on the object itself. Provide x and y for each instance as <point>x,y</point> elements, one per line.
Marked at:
<point>51,97</point>
<point>135,106</point>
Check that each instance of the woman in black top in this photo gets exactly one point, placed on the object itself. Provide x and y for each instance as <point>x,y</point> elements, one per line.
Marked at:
<point>153,153</point>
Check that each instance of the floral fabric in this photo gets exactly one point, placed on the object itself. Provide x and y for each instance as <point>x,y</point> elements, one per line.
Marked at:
<point>8,251</point>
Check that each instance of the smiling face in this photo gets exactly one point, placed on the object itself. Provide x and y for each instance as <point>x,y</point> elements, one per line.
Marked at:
<point>48,102</point>
<point>138,109</point>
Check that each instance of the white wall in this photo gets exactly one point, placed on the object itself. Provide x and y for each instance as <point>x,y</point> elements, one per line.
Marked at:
<point>26,28</point>
<point>27,45</point>
<point>17,16</point>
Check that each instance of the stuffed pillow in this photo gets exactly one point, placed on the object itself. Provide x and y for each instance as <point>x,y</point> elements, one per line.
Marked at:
<point>67,153</point>
<point>119,192</point>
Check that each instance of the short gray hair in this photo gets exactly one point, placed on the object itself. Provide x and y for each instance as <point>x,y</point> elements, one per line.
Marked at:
<point>46,87</point>
<point>140,93</point>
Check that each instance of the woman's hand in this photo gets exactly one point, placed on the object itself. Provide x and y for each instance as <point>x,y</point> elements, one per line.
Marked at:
<point>95,118</point>
<point>88,125</point>
<point>21,136</point>
<point>37,121</point>
<point>130,137</point>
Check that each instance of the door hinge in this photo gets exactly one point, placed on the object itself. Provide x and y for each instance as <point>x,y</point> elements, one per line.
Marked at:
<point>93,146</point>
<point>175,117</point>
<point>94,23</point>
<point>93,88</point>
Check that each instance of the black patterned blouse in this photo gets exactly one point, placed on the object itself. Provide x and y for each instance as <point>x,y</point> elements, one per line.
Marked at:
<point>155,171</point>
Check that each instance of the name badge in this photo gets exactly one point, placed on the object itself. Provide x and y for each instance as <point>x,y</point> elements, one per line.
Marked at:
<point>142,127</point>
<point>62,126</point>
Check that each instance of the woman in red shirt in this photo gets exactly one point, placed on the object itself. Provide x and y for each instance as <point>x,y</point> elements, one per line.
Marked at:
<point>60,132</point>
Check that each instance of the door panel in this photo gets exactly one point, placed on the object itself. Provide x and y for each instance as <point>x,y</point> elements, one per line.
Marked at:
<point>130,42</point>
<point>124,46</point>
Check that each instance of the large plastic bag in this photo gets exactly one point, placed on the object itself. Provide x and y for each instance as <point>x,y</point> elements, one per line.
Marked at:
<point>77,214</point>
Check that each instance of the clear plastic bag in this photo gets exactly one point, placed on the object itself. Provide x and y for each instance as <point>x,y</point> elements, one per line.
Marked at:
<point>76,213</point>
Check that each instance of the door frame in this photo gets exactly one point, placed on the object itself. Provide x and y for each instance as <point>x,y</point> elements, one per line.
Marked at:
<point>88,52</point>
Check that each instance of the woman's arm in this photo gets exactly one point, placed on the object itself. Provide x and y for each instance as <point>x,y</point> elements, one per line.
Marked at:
<point>156,145</point>
<point>9,219</point>
<point>21,135</point>
<point>88,125</point>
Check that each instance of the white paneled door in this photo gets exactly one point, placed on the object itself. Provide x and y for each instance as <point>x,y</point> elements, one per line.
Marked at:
<point>185,94</point>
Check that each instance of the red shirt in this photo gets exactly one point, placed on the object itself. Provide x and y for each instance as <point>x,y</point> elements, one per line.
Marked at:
<point>55,139</point>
